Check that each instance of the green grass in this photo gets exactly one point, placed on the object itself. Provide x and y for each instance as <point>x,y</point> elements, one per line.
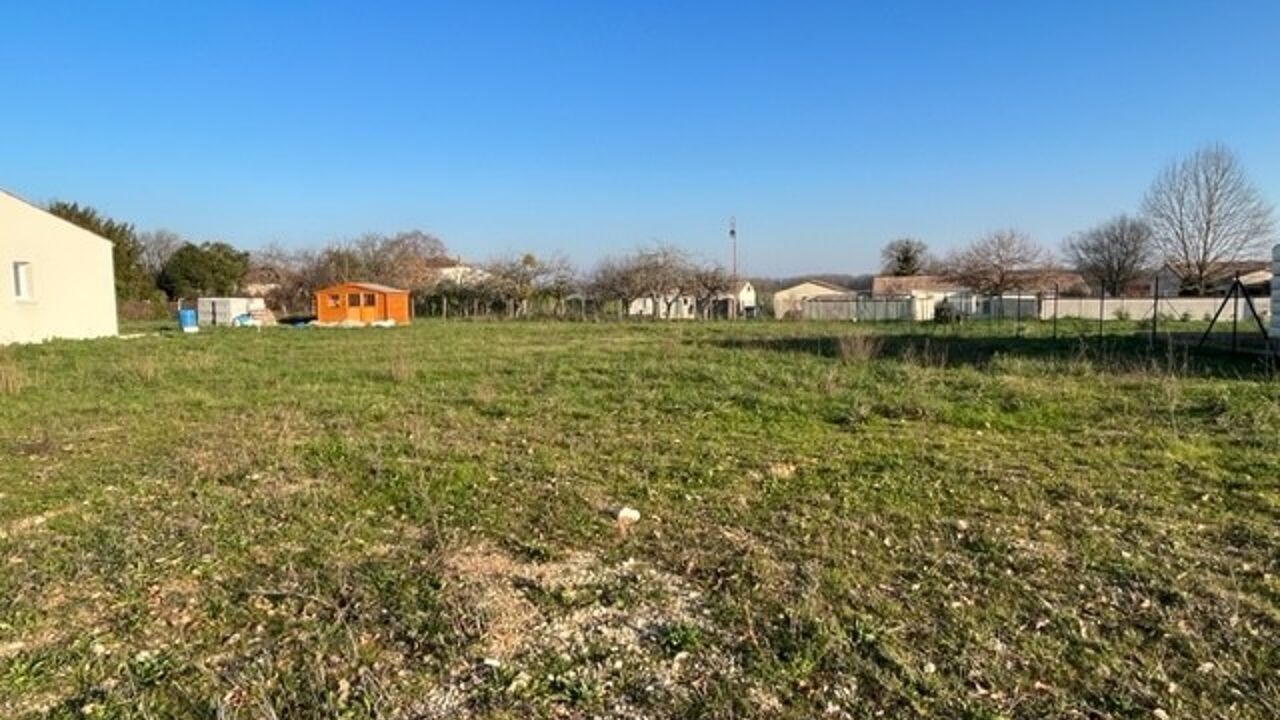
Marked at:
<point>895,520</point>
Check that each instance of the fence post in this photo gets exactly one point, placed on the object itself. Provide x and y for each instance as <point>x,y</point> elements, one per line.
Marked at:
<point>1102,309</point>
<point>1055,311</point>
<point>1236,288</point>
<point>1155,308</point>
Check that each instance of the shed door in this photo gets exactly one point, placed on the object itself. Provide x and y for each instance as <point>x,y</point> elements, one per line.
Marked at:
<point>353,306</point>
<point>369,307</point>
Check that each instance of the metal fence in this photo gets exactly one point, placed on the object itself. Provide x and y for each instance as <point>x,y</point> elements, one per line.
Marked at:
<point>1234,315</point>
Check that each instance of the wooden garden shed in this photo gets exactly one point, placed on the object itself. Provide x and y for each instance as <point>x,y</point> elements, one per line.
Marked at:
<point>362,302</point>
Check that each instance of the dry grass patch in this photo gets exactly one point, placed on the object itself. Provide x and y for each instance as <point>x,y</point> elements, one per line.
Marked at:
<point>12,379</point>
<point>576,636</point>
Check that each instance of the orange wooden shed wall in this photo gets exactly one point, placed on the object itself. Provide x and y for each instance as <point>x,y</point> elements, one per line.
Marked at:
<point>334,304</point>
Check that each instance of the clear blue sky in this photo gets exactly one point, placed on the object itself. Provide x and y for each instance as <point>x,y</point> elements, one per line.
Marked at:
<point>827,128</point>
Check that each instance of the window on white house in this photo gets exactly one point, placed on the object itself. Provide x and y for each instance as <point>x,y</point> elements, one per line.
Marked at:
<point>22,281</point>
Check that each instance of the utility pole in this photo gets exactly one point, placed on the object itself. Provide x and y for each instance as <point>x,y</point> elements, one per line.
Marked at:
<point>733,246</point>
<point>733,255</point>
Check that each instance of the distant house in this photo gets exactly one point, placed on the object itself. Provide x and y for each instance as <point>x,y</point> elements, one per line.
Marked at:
<point>789,302</point>
<point>57,280</point>
<point>1034,282</point>
<point>899,285</point>
<point>452,270</point>
<point>671,307</point>
<point>1063,282</point>
<point>739,301</point>
<point>1254,274</point>
<point>357,302</point>
<point>261,281</point>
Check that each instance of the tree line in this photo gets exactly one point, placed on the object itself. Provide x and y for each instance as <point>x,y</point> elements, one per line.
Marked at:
<point>152,267</point>
<point>519,285</point>
<point>155,268</point>
<point>1200,217</point>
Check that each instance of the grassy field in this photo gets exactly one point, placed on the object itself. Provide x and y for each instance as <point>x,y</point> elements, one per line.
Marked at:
<point>836,521</point>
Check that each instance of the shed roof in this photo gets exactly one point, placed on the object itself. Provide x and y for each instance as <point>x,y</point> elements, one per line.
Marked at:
<point>820,283</point>
<point>375,287</point>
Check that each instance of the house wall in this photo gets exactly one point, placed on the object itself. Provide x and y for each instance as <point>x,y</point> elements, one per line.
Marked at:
<point>72,277</point>
<point>397,308</point>
<point>682,308</point>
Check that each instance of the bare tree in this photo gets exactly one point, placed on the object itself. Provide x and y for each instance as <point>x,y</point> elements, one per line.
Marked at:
<point>559,280</point>
<point>1003,261</point>
<point>290,268</point>
<point>709,283</point>
<point>516,280</point>
<point>1112,255</point>
<point>157,247</point>
<point>1205,214</point>
<point>612,281</point>
<point>904,256</point>
<point>663,274</point>
<point>409,259</point>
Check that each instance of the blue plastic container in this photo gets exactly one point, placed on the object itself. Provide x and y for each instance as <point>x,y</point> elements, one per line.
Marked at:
<point>187,320</point>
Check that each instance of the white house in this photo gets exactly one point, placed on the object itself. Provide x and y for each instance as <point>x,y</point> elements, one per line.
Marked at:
<point>671,307</point>
<point>56,279</point>
<point>789,302</point>
<point>462,274</point>
<point>740,301</point>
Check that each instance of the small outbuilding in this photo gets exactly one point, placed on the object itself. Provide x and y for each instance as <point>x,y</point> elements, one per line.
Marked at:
<point>789,302</point>
<point>363,303</point>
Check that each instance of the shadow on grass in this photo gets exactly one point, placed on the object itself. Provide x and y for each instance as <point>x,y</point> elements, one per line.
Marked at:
<point>1109,353</point>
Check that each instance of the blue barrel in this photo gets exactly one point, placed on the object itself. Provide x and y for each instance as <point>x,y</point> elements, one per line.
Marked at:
<point>187,320</point>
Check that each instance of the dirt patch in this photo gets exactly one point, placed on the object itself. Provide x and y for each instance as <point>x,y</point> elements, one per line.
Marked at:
<point>24,525</point>
<point>574,636</point>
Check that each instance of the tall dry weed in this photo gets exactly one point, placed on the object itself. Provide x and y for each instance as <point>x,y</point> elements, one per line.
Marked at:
<point>858,348</point>
<point>12,379</point>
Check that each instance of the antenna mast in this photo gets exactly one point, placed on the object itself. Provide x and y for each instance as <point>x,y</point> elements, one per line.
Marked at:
<point>733,244</point>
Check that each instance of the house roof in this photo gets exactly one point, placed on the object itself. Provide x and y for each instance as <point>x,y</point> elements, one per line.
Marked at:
<point>738,286</point>
<point>22,201</point>
<point>820,283</point>
<point>1036,281</point>
<point>905,284</point>
<point>1046,280</point>
<point>441,262</point>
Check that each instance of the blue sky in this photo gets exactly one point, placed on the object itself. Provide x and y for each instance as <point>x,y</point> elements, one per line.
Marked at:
<point>827,128</point>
